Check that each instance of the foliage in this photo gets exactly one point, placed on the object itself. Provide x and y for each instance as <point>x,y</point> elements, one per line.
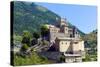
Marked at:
<point>26,37</point>
<point>26,34</point>
<point>45,42</point>
<point>34,41</point>
<point>24,47</point>
<point>33,59</point>
<point>87,58</point>
<point>36,35</point>
<point>91,39</point>
<point>91,42</point>
<point>44,30</point>
<point>17,38</point>
<point>90,57</point>
<point>29,16</point>
<point>62,58</point>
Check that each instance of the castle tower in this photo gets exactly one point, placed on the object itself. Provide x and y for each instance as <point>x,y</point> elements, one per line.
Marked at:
<point>65,28</point>
<point>63,22</point>
<point>76,33</point>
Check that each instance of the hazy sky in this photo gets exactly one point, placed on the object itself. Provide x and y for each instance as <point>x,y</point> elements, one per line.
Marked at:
<point>82,16</point>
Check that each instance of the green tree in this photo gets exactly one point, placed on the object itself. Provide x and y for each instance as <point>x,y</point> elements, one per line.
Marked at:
<point>24,47</point>
<point>36,35</point>
<point>45,42</point>
<point>44,30</point>
<point>26,37</point>
<point>26,34</point>
<point>32,59</point>
<point>62,58</point>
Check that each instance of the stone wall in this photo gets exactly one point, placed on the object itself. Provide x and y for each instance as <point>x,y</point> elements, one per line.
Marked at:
<point>51,55</point>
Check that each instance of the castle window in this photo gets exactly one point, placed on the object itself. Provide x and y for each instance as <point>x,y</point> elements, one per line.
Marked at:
<point>76,42</point>
<point>71,35</point>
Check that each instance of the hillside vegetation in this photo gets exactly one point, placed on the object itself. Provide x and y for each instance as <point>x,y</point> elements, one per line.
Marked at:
<point>91,46</point>
<point>30,16</point>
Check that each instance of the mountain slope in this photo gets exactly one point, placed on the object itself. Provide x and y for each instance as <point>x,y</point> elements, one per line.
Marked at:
<point>91,39</point>
<point>91,46</point>
<point>29,16</point>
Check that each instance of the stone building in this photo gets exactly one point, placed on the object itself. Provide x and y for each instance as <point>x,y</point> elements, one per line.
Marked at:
<point>67,40</point>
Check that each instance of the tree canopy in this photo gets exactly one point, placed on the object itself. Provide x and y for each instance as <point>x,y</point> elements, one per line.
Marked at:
<point>44,30</point>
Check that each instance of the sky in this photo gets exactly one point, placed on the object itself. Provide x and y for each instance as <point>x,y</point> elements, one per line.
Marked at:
<point>82,16</point>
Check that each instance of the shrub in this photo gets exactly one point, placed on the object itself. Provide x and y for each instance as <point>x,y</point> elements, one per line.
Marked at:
<point>44,30</point>
<point>36,35</point>
<point>62,58</point>
<point>24,47</point>
<point>26,37</point>
<point>45,42</point>
<point>33,59</point>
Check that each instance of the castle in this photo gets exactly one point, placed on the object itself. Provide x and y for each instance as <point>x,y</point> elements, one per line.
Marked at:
<point>67,40</point>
